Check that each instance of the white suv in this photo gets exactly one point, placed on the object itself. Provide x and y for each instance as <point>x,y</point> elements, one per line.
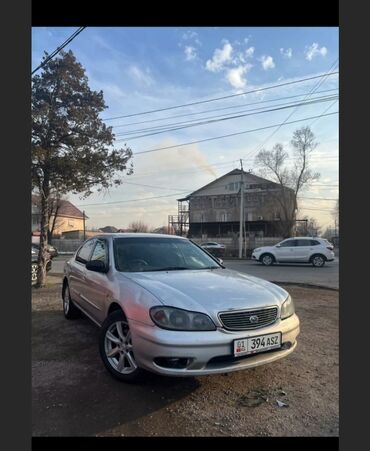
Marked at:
<point>296,250</point>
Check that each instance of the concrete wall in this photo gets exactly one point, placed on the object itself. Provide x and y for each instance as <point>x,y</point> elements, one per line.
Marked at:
<point>66,246</point>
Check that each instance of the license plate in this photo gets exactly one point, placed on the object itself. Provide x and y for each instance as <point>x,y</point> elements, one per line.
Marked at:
<point>257,344</point>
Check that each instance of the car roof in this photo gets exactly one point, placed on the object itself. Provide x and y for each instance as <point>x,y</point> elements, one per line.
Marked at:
<point>138,235</point>
<point>304,238</point>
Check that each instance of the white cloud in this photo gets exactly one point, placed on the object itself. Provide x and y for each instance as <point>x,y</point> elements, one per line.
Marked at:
<point>220,58</point>
<point>236,77</point>
<point>267,62</point>
<point>287,53</point>
<point>140,76</point>
<point>191,36</point>
<point>249,52</point>
<point>190,53</point>
<point>313,50</point>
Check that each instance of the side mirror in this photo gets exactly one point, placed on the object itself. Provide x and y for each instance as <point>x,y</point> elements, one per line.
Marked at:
<point>97,266</point>
<point>278,245</point>
<point>220,260</point>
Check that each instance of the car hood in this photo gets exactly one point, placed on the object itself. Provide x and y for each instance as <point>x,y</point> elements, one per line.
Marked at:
<point>209,291</point>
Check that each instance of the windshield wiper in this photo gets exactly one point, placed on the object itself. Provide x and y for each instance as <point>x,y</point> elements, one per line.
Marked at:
<point>168,268</point>
<point>210,267</point>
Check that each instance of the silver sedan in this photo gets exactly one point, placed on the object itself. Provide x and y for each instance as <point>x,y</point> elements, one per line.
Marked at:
<point>165,305</point>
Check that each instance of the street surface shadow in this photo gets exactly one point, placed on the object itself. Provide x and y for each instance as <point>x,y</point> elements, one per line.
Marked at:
<point>72,392</point>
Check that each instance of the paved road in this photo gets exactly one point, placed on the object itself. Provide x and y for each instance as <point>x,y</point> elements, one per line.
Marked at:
<point>328,276</point>
<point>57,264</point>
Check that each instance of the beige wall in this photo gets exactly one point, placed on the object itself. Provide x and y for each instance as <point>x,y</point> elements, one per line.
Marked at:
<point>66,224</point>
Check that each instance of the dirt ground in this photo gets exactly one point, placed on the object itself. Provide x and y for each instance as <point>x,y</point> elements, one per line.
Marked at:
<point>73,394</point>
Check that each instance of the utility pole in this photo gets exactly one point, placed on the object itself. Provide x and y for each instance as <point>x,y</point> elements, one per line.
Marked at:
<point>241,211</point>
<point>83,215</point>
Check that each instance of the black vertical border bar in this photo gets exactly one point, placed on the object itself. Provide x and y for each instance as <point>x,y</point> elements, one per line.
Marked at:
<point>15,158</point>
<point>354,224</point>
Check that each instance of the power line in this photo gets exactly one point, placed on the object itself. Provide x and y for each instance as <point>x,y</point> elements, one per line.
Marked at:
<point>217,187</point>
<point>259,147</point>
<point>326,109</point>
<point>317,198</point>
<point>189,169</point>
<point>220,109</point>
<point>231,134</point>
<point>316,209</point>
<point>131,200</point>
<point>150,186</point>
<point>220,98</point>
<point>163,129</point>
<point>192,121</point>
<point>322,184</point>
<point>57,50</point>
<point>167,195</point>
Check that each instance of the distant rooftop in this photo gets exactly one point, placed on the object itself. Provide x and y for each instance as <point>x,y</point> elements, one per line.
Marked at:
<point>66,208</point>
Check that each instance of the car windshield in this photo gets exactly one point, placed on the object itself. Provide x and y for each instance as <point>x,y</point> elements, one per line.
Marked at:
<point>159,254</point>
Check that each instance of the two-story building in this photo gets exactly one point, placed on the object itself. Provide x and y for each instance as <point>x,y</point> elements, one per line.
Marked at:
<point>214,209</point>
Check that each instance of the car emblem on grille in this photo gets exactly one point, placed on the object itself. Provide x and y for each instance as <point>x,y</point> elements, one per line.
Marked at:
<point>253,319</point>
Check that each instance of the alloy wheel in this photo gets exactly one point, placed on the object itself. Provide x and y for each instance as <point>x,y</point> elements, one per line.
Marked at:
<point>318,261</point>
<point>267,260</point>
<point>118,348</point>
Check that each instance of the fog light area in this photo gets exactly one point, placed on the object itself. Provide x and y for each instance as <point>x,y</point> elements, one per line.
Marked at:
<point>172,362</point>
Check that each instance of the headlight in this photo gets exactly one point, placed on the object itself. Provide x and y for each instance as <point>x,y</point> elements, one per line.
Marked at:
<point>287,309</point>
<point>257,250</point>
<point>178,319</point>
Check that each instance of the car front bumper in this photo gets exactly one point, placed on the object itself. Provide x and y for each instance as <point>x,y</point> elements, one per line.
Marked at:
<point>208,352</point>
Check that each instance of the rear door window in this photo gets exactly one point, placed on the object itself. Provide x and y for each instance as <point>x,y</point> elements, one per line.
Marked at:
<point>302,243</point>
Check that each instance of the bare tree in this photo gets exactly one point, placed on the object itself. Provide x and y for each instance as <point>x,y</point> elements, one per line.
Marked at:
<point>309,228</point>
<point>291,180</point>
<point>138,226</point>
<point>336,213</point>
<point>55,203</point>
<point>164,229</point>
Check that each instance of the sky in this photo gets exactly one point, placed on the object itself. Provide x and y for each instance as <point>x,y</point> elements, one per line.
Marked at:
<point>144,69</point>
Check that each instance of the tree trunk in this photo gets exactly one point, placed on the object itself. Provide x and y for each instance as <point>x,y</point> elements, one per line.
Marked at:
<point>44,227</point>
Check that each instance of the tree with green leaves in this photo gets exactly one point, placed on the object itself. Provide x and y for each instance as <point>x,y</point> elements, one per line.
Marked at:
<point>72,148</point>
<point>293,178</point>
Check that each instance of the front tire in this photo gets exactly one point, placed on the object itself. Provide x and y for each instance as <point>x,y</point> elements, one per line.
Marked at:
<point>318,261</point>
<point>267,259</point>
<point>116,348</point>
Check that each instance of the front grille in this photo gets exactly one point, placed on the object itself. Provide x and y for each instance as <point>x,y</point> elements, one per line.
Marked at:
<point>241,319</point>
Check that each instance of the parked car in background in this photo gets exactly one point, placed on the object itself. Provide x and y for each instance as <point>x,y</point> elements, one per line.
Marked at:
<point>165,305</point>
<point>34,258</point>
<point>313,250</point>
<point>52,250</point>
<point>214,248</point>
